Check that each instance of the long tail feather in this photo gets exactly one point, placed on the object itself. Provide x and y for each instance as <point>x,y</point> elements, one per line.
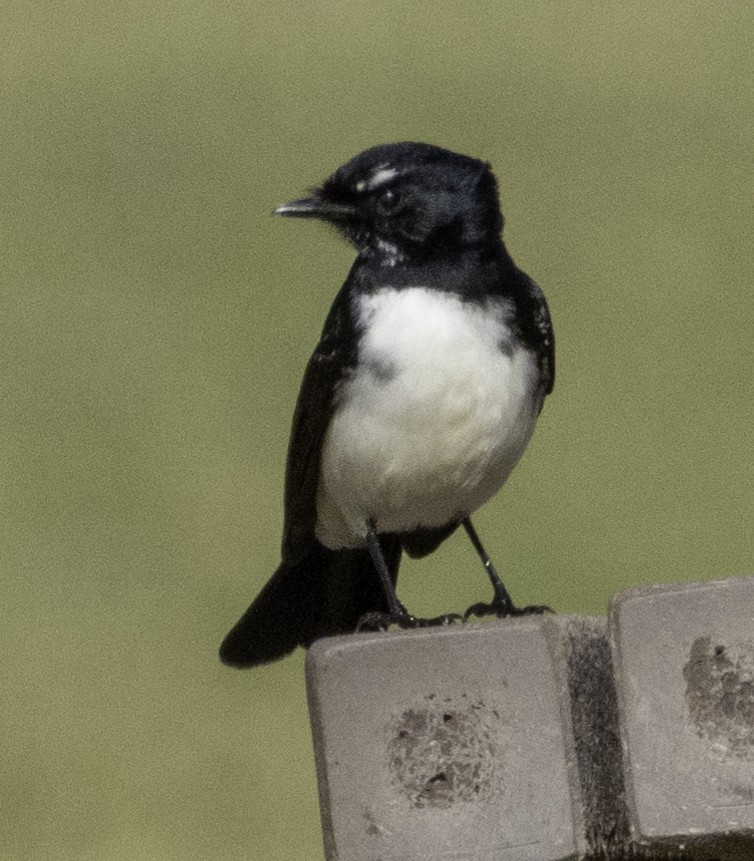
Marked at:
<point>323,594</point>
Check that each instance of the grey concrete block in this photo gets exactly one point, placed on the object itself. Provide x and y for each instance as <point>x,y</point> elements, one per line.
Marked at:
<point>446,743</point>
<point>584,668</point>
<point>684,665</point>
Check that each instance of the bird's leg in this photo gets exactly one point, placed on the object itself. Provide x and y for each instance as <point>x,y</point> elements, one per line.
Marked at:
<point>501,605</point>
<point>397,614</point>
<point>396,611</point>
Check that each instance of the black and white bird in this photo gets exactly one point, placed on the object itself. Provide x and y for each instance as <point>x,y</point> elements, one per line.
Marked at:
<point>418,401</point>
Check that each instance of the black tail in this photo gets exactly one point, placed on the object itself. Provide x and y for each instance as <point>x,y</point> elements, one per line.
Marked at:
<point>325,593</point>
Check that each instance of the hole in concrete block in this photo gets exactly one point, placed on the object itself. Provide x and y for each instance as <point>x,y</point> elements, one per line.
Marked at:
<point>720,696</point>
<point>441,756</point>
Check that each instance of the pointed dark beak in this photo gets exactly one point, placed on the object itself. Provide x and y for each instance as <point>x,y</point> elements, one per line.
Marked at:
<point>316,207</point>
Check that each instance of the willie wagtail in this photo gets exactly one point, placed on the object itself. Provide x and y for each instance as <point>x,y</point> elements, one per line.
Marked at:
<point>418,401</point>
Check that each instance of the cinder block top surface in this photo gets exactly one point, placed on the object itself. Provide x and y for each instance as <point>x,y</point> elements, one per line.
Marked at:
<point>684,660</point>
<point>441,743</point>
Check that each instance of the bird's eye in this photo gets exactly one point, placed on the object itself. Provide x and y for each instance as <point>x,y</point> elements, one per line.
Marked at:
<point>388,202</point>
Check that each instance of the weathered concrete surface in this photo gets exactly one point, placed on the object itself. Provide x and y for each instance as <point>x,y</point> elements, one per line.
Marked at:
<point>444,743</point>
<point>545,738</point>
<point>684,664</point>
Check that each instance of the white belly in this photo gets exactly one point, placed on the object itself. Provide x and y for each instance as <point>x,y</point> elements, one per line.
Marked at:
<point>433,421</point>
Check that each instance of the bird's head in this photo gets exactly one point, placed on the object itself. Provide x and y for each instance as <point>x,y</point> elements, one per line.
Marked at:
<point>408,202</point>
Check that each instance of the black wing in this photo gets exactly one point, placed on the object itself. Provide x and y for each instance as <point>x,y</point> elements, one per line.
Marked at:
<point>334,355</point>
<point>315,592</point>
<point>537,328</point>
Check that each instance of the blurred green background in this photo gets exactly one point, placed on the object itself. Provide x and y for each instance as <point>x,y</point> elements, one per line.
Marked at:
<point>156,321</point>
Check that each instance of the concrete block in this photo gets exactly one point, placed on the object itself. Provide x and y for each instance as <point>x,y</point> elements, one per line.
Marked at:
<point>684,667</point>
<point>446,743</point>
<point>583,664</point>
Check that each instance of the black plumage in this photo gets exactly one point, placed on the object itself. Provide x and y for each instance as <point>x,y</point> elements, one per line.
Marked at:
<point>421,218</point>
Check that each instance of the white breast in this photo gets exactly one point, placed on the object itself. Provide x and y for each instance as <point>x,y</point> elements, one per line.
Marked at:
<point>433,420</point>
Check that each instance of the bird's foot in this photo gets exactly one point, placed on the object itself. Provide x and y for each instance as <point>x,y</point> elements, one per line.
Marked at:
<point>382,621</point>
<point>445,619</point>
<point>375,622</point>
<point>504,609</point>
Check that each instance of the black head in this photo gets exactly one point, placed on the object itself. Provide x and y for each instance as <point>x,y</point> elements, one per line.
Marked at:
<point>408,201</point>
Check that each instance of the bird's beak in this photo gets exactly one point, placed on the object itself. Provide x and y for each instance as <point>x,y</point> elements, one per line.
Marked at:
<point>316,207</point>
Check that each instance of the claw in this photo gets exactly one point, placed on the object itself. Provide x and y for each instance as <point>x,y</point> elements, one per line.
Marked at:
<point>382,621</point>
<point>504,610</point>
<point>445,619</point>
<point>479,610</point>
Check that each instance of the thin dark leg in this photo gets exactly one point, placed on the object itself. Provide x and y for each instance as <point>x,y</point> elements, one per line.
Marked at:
<point>501,604</point>
<point>397,614</point>
<point>396,610</point>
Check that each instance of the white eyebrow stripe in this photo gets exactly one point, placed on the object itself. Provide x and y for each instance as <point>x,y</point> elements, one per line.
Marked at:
<point>381,176</point>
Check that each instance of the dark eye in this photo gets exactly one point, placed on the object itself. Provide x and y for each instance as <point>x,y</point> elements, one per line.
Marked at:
<point>388,202</point>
